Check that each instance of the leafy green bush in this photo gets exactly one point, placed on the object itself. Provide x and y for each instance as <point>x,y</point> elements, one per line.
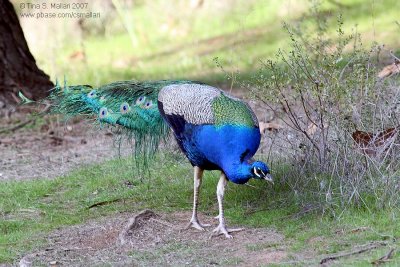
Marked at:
<point>340,138</point>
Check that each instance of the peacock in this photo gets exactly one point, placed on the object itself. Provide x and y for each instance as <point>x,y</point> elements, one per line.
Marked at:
<point>215,130</point>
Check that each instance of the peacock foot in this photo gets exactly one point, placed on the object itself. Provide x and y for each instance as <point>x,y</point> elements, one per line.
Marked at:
<point>222,230</point>
<point>196,224</point>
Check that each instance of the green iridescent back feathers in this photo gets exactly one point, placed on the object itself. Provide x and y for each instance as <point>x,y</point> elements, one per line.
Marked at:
<point>130,104</point>
<point>227,110</point>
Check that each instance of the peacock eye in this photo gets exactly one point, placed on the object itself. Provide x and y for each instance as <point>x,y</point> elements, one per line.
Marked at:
<point>92,94</point>
<point>140,100</point>
<point>124,108</point>
<point>256,171</point>
<point>102,113</point>
<point>148,104</point>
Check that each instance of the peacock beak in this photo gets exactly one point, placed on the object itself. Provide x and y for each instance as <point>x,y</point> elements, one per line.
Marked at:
<point>268,177</point>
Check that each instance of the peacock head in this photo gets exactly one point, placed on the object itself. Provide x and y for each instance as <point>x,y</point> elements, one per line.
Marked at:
<point>260,170</point>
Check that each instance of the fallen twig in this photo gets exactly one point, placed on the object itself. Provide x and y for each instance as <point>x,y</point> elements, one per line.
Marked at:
<point>17,126</point>
<point>385,258</point>
<point>106,202</point>
<point>306,209</point>
<point>359,251</point>
<point>249,185</point>
<point>360,229</point>
<point>22,124</point>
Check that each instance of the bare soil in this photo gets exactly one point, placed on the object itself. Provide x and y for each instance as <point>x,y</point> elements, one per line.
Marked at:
<point>159,240</point>
<point>51,148</point>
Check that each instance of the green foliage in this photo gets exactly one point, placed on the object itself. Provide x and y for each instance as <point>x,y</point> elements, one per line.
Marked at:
<point>179,41</point>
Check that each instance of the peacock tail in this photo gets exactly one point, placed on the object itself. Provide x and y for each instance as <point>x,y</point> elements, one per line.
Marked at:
<point>129,105</point>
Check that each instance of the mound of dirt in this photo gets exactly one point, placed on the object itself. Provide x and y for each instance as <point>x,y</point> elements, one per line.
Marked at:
<point>149,239</point>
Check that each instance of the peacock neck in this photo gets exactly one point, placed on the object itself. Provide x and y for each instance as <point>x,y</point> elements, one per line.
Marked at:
<point>237,172</point>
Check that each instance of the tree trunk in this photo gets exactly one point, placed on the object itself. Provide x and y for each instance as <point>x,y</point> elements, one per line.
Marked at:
<point>18,70</point>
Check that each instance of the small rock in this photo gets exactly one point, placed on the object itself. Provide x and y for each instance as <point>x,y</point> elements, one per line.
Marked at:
<point>129,184</point>
<point>25,261</point>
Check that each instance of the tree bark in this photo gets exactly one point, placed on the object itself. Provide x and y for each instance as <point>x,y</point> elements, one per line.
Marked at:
<point>18,70</point>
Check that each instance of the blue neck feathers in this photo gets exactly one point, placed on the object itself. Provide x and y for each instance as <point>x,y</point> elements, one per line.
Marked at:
<point>239,172</point>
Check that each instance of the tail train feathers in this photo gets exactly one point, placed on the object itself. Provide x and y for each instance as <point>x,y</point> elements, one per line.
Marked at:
<point>129,104</point>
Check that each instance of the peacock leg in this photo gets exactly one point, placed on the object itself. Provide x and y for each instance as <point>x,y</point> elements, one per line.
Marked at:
<point>194,221</point>
<point>221,228</point>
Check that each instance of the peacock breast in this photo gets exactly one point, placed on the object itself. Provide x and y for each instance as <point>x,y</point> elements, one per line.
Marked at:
<point>222,145</point>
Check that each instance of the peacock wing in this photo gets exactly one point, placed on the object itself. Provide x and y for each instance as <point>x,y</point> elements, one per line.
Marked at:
<point>182,104</point>
<point>199,104</point>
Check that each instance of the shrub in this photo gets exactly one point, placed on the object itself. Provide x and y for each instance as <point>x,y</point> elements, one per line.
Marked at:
<point>341,140</point>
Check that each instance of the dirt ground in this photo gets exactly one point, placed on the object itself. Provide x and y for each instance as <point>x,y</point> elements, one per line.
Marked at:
<point>52,149</point>
<point>156,240</point>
